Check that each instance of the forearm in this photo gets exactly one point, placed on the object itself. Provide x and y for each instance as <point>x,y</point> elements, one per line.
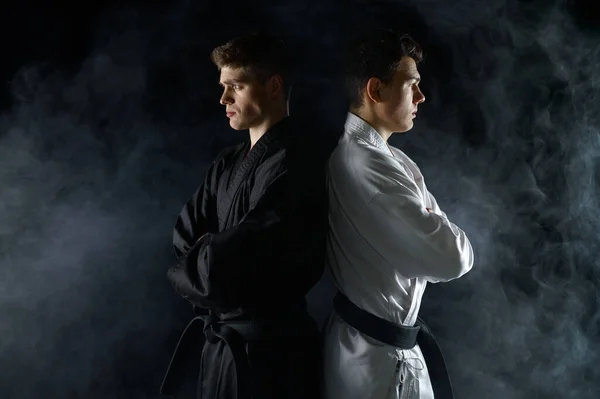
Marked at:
<point>418,241</point>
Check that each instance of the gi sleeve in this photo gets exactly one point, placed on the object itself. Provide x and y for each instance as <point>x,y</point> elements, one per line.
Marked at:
<point>437,249</point>
<point>271,255</point>
<point>197,216</point>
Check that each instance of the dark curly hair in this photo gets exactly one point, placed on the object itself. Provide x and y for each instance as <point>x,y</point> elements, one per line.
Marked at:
<point>376,53</point>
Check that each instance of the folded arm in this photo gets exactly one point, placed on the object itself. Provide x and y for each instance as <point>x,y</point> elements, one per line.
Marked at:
<point>197,217</point>
<point>275,241</point>
<point>431,246</point>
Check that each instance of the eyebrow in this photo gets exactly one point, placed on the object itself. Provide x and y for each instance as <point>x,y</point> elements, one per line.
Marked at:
<point>414,77</point>
<point>230,82</point>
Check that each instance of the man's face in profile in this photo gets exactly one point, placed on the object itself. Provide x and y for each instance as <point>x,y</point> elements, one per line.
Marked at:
<point>244,97</point>
<point>401,97</point>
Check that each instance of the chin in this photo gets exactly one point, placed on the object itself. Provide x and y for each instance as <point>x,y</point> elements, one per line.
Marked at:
<point>236,126</point>
<point>404,128</point>
<point>409,125</point>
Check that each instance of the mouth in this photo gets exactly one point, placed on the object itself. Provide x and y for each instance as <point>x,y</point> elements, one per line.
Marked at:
<point>230,114</point>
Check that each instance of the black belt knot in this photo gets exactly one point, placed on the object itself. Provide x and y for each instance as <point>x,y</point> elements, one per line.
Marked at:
<point>213,330</point>
<point>210,323</point>
<point>234,333</point>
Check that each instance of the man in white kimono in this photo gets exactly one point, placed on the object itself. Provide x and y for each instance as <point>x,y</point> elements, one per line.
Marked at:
<point>388,237</point>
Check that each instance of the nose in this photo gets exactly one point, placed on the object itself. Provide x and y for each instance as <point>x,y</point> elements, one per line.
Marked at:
<point>225,98</point>
<point>419,96</point>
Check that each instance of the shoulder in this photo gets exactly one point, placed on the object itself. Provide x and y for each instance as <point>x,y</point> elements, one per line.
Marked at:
<point>355,156</point>
<point>289,148</point>
<point>299,152</point>
<point>365,168</point>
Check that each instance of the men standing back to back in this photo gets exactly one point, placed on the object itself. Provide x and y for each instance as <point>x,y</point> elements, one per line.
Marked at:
<point>388,237</point>
<point>250,242</point>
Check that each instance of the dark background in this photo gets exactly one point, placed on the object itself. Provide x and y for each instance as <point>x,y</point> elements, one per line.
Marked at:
<point>110,116</point>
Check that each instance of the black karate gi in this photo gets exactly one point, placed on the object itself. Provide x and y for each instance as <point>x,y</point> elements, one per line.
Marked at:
<point>262,217</point>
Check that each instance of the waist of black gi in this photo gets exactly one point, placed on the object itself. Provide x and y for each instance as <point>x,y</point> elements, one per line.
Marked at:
<point>235,334</point>
<point>401,337</point>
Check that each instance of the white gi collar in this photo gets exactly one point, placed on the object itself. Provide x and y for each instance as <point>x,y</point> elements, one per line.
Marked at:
<point>357,126</point>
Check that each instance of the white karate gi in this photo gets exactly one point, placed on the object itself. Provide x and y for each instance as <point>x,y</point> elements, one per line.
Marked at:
<point>382,249</point>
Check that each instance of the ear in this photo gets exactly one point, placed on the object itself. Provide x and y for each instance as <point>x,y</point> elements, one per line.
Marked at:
<point>373,89</point>
<point>275,85</point>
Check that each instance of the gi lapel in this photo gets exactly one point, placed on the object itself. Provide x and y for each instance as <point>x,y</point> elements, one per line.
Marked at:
<point>250,163</point>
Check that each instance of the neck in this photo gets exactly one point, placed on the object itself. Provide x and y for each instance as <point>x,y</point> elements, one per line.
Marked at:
<point>369,116</point>
<point>256,132</point>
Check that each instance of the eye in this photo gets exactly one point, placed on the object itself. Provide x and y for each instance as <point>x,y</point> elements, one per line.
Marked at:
<point>237,87</point>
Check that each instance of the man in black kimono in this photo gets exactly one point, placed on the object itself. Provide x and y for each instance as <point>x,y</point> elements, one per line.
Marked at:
<point>250,242</point>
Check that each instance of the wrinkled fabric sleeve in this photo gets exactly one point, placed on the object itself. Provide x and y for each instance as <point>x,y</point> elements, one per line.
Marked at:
<point>197,216</point>
<point>437,249</point>
<point>264,257</point>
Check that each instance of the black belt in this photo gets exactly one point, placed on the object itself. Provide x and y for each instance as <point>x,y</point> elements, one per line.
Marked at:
<point>235,334</point>
<point>402,337</point>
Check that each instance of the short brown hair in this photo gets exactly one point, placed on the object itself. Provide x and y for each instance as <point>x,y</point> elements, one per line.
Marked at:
<point>375,53</point>
<point>261,55</point>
